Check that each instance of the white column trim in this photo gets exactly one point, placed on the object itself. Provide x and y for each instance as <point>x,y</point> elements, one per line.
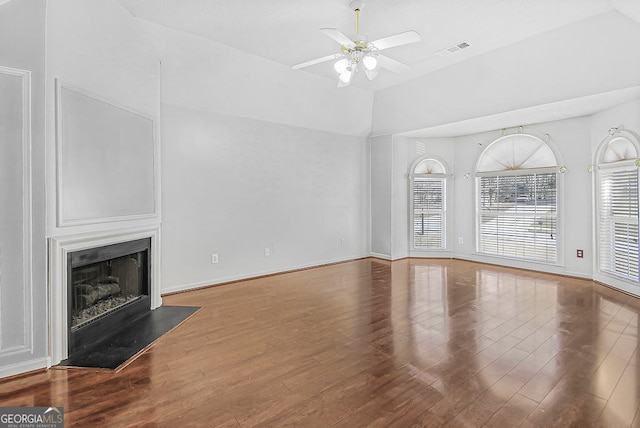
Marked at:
<point>27,346</point>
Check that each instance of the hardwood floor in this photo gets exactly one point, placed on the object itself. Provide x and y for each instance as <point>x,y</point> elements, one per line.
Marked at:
<point>413,343</point>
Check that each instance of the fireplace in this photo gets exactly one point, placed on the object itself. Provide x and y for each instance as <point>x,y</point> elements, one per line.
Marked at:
<point>60,297</point>
<point>108,287</point>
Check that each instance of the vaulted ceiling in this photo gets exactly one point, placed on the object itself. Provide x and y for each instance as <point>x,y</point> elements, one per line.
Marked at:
<point>287,31</point>
<point>560,33</point>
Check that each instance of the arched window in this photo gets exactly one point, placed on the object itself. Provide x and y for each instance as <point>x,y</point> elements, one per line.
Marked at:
<point>617,200</point>
<point>429,204</point>
<point>516,197</point>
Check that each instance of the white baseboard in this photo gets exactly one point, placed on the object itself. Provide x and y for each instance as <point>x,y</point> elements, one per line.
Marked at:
<point>522,264</point>
<point>431,254</point>
<point>24,366</point>
<point>380,256</point>
<point>246,276</point>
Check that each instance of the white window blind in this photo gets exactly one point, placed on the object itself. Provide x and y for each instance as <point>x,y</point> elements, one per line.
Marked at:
<point>618,222</point>
<point>518,216</point>
<point>429,213</point>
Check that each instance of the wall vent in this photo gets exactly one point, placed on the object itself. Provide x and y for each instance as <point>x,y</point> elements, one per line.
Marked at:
<point>453,49</point>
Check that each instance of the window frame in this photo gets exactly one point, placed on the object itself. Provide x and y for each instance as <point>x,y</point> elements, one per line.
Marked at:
<point>604,168</point>
<point>613,220</point>
<point>444,179</point>
<point>555,169</point>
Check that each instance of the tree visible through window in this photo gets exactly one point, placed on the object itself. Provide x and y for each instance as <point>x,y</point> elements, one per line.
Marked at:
<point>517,208</point>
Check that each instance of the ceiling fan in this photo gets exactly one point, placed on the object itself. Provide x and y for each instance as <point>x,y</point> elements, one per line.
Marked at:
<point>357,50</point>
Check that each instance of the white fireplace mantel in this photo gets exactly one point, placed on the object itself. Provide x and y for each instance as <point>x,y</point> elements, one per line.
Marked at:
<point>59,247</point>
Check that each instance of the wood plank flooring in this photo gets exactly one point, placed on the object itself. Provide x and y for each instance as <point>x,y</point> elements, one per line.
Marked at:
<point>411,343</point>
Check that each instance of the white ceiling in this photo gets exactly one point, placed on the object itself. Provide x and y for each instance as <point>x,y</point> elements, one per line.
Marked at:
<point>287,31</point>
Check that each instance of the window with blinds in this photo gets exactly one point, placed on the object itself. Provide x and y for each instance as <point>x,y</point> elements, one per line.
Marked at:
<point>618,222</point>
<point>429,213</point>
<point>517,216</point>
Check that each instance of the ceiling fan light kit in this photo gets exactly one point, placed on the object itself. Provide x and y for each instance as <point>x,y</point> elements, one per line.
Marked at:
<point>358,50</point>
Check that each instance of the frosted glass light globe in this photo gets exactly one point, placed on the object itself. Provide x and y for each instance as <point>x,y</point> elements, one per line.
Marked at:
<point>341,65</point>
<point>345,76</point>
<point>370,62</point>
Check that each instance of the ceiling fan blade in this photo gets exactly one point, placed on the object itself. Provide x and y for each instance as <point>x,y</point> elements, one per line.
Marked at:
<point>391,64</point>
<point>316,61</point>
<point>397,40</point>
<point>337,36</point>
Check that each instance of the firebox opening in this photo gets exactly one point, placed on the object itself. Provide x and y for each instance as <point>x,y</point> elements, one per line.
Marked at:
<point>108,287</point>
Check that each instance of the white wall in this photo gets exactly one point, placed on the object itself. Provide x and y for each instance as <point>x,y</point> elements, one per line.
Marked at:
<point>381,166</point>
<point>22,40</point>
<point>399,196</point>
<point>255,156</point>
<point>391,161</point>
<point>625,116</point>
<point>235,186</point>
<point>204,75</point>
<point>566,63</point>
<point>572,139</point>
<point>100,48</point>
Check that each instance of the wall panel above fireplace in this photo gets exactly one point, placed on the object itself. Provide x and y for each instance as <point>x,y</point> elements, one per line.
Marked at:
<point>106,160</point>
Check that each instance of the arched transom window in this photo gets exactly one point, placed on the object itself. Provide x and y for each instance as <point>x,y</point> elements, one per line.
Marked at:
<point>516,197</point>
<point>429,204</point>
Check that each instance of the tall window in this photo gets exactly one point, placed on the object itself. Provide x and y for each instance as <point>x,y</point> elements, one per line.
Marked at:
<point>429,205</point>
<point>617,178</point>
<point>516,196</point>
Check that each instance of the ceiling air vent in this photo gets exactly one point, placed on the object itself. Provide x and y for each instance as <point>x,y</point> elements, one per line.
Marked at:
<point>453,49</point>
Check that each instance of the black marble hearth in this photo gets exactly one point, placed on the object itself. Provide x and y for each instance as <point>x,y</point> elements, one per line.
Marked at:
<point>115,350</point>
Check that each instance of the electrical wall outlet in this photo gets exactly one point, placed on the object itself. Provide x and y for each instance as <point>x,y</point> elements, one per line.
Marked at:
<point>460,240</point>
<point>267,251</point>
<point>214,258</point>
<point>579,254</point>
<point>343,242</point>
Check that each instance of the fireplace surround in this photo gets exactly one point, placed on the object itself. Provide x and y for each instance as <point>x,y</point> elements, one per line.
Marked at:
<point>62,248</point>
